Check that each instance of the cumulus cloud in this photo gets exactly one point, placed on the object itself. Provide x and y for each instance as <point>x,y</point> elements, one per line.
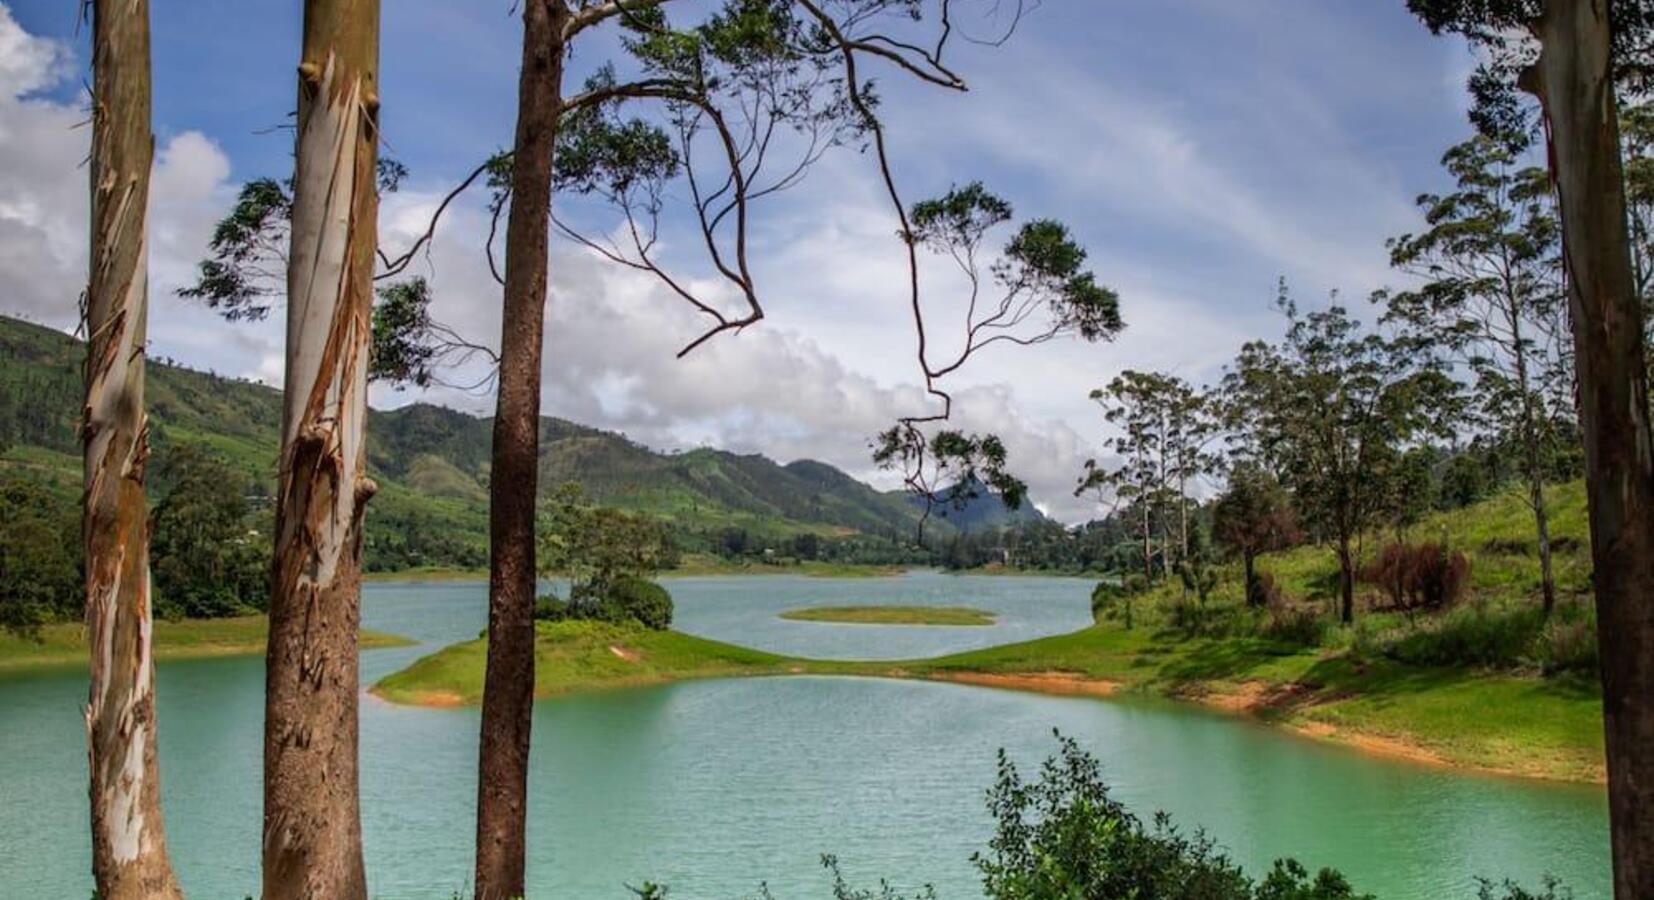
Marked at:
<point>1193,195</point>
<point>44,209</point>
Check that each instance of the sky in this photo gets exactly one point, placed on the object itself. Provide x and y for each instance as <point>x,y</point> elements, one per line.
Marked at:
<point>1201,150</point>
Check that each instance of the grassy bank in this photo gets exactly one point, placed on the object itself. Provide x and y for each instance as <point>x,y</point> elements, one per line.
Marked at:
<point>1485,686</point>
<point>892,615</point>
<point>1475,719</point>
<point>64,644</point>
<point>1512,724</point>
<point>580,655</point>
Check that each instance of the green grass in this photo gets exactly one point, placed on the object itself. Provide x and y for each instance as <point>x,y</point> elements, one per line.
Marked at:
<point>1513,723</point>
<point>65,644</point>
<point>892,615</point>
<point>581,655</point>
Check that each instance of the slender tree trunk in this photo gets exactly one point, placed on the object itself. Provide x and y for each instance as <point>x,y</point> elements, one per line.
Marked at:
<point>1573,80</point>
<point>1535,466</point>
<point>1249,562</point>
<point>1346,580</point>
<point>129,844</point>
<point>312,821</point>
<point>508,689</point>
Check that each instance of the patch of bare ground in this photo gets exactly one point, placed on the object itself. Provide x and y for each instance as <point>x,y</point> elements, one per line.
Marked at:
<point>1069,683</point>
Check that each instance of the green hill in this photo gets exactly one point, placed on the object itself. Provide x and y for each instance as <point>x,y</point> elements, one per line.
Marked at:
<point>432,463</point>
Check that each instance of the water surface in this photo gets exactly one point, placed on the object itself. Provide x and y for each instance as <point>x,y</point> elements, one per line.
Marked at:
<point>716,786</point>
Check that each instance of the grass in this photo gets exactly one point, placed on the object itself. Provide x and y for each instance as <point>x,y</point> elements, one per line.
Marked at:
<point>892,615</point>
<point>65,644</point>
<point>581,655</point>
<point>1525,725</point>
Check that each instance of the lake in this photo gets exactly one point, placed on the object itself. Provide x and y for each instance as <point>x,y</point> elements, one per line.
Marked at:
<point>714,787</point>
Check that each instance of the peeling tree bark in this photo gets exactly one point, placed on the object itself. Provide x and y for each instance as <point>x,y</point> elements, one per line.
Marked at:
<point>312,823</point>
<point>508,689</point>
<point>1573,80</point>
<point>129,848</point>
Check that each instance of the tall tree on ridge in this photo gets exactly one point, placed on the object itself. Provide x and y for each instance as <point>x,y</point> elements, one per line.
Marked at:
<point>129,848</point>
<point>312,846</point>
<point>1492,294</point>
<point>1575,56</point>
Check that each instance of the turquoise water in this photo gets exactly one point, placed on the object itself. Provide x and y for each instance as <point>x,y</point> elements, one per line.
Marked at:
<point>716,786</point>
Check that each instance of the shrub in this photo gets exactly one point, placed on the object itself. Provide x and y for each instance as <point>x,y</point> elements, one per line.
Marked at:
<point>1470,637</point>
<point>1567,646</point>
<point>627,599</point>
<point>1066,836</point>
<point>1293,623</point>
<point>1263,591</point>
<point>1103,599</point>
<point>1419,576</point>
<point>641,600</point>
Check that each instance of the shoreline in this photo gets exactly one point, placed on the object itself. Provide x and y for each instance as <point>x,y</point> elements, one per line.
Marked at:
<point>63,645</point>
<point>1293,708</point>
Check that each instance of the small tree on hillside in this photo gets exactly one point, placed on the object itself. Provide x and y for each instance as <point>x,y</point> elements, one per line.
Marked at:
<point>1252,517</point>
<point>1334,406</point>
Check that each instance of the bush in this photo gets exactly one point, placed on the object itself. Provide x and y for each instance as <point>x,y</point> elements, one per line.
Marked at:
<point>1263,592</point>
<point>628,599</point>
<point>1419,576</point>
<point>1103,598</point>
<point>641,600</point>
<point>1470,637</point>
<point>1292,623</point>
<point>1065,836</point>
<point>1568,646</point>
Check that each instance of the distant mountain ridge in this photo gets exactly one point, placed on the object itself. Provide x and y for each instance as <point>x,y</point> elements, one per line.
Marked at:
<point>432,462</point>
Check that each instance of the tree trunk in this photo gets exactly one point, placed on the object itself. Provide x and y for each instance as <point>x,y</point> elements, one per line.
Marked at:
<point>1249,561</point>
<point>312,821</point>
<point>1573,80</point>
<point>1346,581</point>
<point>1148,547</point>
<point>129,845</point>
<point>508,688</point>
<point>1535,465</point>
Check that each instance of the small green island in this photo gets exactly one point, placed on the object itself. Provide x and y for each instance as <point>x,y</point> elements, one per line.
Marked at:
<point>891,615</point>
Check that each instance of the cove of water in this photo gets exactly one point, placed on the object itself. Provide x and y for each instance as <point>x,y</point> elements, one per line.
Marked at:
<point>713,787</point>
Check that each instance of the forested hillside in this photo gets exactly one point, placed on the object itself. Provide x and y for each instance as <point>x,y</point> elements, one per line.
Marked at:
<point>431,464</point>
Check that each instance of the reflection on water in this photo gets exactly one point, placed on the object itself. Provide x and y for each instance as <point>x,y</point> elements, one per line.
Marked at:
<point>713,787</point>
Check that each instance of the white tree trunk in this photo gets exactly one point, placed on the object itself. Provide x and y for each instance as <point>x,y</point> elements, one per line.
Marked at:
<point>312,821</point>
<point>129,852</point>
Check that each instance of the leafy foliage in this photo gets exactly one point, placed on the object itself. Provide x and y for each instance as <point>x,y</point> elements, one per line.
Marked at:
<point>40,556</point>
<point>1066,836</point>
<point>603,552</point>
<point>210,555</point>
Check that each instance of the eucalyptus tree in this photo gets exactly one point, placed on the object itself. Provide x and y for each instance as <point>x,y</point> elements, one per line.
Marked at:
<point>720,84</point>
<point>1491,292</point>
<point>1334,406</point>
<point>1035,290</point>
<point>1577,57</point>
<point>1164,427</point>
<point>312,842</point>
<point>129,847</point>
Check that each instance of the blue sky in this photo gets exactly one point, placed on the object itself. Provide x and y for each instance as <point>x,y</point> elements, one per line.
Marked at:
<point>1200,148</point>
